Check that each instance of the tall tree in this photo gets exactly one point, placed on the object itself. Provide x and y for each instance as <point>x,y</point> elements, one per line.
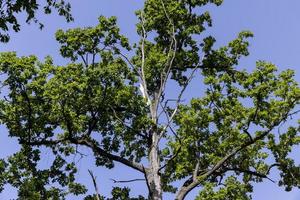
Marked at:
<point>9,10</point>
<point>121,109</point>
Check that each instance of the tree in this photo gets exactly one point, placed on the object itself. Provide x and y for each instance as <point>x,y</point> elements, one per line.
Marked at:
<point>119,107</point>
<point>10,9</point>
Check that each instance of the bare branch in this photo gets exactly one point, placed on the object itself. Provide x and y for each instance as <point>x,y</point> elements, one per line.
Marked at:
<point>130,63</point>
<point>179,100</point>
<point>271,166</point>
<point>254,173</point>
<point>84,60</point>
<point>95,184</point>
<point>143,77</point>
<point>82,155</point>
<point>167,69</point>
<point>128,181</point>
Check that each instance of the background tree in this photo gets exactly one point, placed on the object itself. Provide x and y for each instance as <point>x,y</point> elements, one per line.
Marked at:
<point>9,10</point>
<point>121,108</point>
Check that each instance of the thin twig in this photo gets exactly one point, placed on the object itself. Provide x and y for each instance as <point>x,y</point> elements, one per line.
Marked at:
<point>254,173</point>
<point>125,125</point>
<point>167,69</point>
<point>172,158</point>
<point>128,181</point>
<point>179,100</point>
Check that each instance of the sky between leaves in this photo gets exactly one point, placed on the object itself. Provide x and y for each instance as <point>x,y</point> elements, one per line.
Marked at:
<point>275,25</point>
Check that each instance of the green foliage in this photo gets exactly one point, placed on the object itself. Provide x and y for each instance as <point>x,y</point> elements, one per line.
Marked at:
<point>172,20</point>
<point>33,183</point>
<point>214,125</point>
<point>117,193</point>
<point>3,166</point>
<point>232,190</point>
<point>10,8</point>
<point>82,100</point>
<point>122,194</point>
<point>119,107</point>
<point>79,42</point>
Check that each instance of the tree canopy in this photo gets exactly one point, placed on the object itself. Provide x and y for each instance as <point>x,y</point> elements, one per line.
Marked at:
<point>9,10</point>
<point>113,99</point>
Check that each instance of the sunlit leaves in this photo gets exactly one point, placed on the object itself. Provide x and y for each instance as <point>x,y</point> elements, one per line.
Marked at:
<point>223,139</point>
<point>232,189</point>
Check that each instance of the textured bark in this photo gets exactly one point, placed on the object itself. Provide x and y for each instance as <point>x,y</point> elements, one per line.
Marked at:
<point>153,176</point>
<point>185,190</point>
<point>154,182</point>
<point>181,195</point>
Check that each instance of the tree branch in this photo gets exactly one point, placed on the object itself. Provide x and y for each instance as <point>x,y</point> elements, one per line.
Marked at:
<point>190,185</point>
<point>128,181</point>
<point>95,184</point>
<point>167,68</point>
<point>94,147</point>
<point>143,77</point>
<point>170,119</point>
<point>172,158</point>
<point>254,173</point>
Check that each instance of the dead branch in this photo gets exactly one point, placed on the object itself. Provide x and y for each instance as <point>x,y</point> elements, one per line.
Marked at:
<point>95,184</point>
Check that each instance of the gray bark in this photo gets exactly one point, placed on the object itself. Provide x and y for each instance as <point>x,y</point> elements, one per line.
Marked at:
<point>153,176</point>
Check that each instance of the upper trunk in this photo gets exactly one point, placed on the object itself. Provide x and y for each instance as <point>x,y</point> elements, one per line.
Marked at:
<point>152,174</point>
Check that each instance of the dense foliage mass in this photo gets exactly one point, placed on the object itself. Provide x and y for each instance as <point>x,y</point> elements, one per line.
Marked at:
<point>119,107</point>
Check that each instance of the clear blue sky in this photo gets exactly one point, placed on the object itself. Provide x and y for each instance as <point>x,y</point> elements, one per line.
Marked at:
<point>275,25</point>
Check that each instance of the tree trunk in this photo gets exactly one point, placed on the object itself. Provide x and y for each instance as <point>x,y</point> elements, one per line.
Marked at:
<point>153,176</point>
<point>154,182</point>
